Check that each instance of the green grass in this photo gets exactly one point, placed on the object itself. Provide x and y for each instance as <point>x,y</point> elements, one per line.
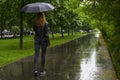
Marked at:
<point>10,52</point>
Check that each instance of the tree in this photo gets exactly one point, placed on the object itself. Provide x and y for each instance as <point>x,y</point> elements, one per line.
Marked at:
<point>105,16</point>
<point>60,19</point>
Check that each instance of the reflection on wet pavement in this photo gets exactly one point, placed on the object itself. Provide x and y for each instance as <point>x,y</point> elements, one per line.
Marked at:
<point>80,59</point>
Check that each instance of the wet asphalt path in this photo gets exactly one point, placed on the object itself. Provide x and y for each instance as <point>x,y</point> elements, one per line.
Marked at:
<point>85,58</point>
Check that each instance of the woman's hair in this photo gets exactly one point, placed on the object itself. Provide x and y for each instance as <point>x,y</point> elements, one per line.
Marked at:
<point>40,19</point>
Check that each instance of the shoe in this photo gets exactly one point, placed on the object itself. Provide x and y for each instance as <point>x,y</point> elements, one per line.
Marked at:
<point>36,73</point>
<point>42,73</point>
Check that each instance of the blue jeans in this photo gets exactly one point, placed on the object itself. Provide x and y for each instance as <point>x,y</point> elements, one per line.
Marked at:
<point>39,44</point>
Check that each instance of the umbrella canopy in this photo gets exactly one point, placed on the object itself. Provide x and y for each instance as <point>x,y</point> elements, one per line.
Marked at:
<point>37,7</point>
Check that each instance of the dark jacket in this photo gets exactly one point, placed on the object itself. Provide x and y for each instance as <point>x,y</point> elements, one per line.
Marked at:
<point>41,33</point>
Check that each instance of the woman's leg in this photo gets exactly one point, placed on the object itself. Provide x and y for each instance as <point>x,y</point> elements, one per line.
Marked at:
<point>43,54</point>
<point>36,57</point>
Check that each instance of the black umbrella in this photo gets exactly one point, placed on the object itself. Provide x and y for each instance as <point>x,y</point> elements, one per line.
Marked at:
<point>37,7</point>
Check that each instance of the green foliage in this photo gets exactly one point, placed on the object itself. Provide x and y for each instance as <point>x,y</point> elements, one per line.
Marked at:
<point>105,15</point>
<point>65,15</point>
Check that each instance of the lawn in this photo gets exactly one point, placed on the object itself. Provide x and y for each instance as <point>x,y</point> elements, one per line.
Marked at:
<point>10,52</point>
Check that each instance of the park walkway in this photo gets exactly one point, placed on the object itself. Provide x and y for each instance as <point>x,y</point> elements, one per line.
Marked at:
<point>86,58</point>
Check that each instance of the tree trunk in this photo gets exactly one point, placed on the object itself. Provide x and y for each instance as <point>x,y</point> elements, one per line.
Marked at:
<point>2,24</point>
<point>72,32</point>
<point>51,29</point>
<point>68,30</point>
<point>21,31</point>
<point>21,26</point>
<point>62,35</point>
<point>1,34</point>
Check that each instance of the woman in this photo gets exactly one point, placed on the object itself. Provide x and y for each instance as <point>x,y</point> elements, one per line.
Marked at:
<point>41,40</point>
